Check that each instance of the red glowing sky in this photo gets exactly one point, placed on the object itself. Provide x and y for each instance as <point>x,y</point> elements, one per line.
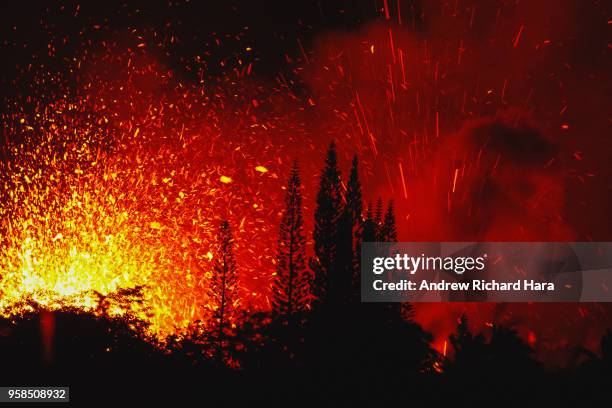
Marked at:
<point>481,120</point>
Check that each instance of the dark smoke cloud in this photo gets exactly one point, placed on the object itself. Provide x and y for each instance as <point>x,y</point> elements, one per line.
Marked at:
<point>495,179</point>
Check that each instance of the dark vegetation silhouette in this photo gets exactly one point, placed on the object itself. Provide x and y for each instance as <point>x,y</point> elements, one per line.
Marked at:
<point>223,287</point>
<point>327,213</point>
<point>354,205</point>
<point>369,226</point>
<point>388,230</point>
<point>290,288</point>
<point>318,345</point>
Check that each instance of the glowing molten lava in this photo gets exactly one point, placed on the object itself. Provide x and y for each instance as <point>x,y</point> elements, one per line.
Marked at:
<point>119,186</point>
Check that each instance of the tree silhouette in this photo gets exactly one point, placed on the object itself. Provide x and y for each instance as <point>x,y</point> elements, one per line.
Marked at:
<point>123,299</point>
<point>223,284</point>
<point>388,230</point>
<point>491,365</point>
<point>291,283</point>
<point>378,216</point>
<point>599,367</point>
<point>327,212</point>
<point>341,280</point>
<point>369,227</point>
<point>354,205</point>
<point>469,349</point>
<point>508,350</point>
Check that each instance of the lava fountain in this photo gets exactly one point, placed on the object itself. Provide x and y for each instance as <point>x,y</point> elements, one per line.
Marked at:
<point>117,184</point>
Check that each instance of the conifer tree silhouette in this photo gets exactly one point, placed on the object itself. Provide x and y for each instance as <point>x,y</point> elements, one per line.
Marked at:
<point>378,215</point>
<point>327,212</point>
<point>223,284</point>
<point>369,226</point>
<point>388,230</point>
<point>291,283</point>
<point>354,204</point>
<point>341,280</point>
<point>354,200</point>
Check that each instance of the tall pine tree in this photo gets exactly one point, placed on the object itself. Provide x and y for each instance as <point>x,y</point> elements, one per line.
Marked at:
<point>369,226</point>
<point>354,200</point>
<point>291,283</point>
<point>341,279</point>
<point>327,212</point>
<point>223,285</point>
<point>388,230</point>
<point>354,205</point>
<point>378,217</point>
